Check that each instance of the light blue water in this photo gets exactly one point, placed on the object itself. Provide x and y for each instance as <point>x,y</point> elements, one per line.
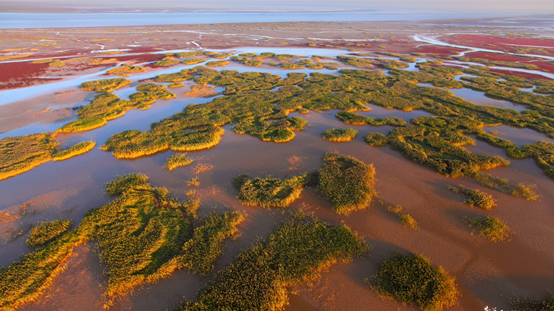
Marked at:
<point>47,20</point>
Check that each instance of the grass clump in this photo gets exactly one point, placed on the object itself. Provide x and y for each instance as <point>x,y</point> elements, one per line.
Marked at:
<point>346,182</point>
<point>356,119</point>
<point>175,85</point>
<point>269,192</point>
<point>125,70</point>
<point>491,228</point>
<point>22,153</point>
<point>47,231</point>
<point>176,161</point>
<point>412,279</point>
<point>217,63</point>
<point>75,150</point>
<point>167,62</point>
<point>105,85</point>
<point>476,197</point>
<point>532,305</point>
<point>338,134</point>
<point>193,61</point>
<point>376,139</point>
<point>296,252</point>
<point>406,219</point>
<point>183,75</point>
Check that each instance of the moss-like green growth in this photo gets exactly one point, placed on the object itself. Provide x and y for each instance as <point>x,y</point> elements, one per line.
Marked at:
<point>247,61</point>
<point>217,63</point>
<point>189,54</point>
<point>175,85</point>
<point>105,85</point>
<point>476,197</point>
<point>406,219</point>
<point>47,231</point>
<point>176,161</point>
<point>296,252</point>
<point>376,139</point>
<point>532,305</point>
<point>346,182</point>
<point>144,235</point>
<point>412,279</point>
<point>337,134</point>
<point>269,192</point>
<point>491,228</point>
<point>167,62</point>
<point>22,153</point>
<point>124,70</point>
<point>183,75</point>
<point>108,106</point>
<point>292,66</point>
<point>73,151</point>
<point>193,61</point>
<point>356,119</point>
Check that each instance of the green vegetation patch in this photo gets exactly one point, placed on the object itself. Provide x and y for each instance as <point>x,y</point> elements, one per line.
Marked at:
<point>176,161</point>
<point>124,70</point>
<point>346,182</point>
<point>356,119</point>
<point>296,252</point>
<point>337,134</point>
<point>175,85</point>
<point>376,139</point>
<point>412,279</point>
<point>217,63</point>
<point>183,75</point>
<point>108,106</point>
<point>22,153</point>
<point>193,61</point>
<point>533,305</point>
<point>47,231</point>
<point>167,62</point>
<point>269,192</point>
<point>73,151</point>
<point>105,85</point>
<point>405,218</point>
<point>491,228</point>
<point>476,197</point>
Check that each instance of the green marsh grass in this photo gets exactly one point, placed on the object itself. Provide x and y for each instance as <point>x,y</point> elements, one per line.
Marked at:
<point>346,182</point>
<point>269,192</point>
<point>376,139</point>
<point>73,151</point>
<point>175,85</point>
<point>476,197</point>
<point>491,228</point>
<point>125,70</point>
<point>176,161</point>
<point>217,63</point>
<point>295,253</point>
<point>193,61</point>
<point>47,231</point>
<point>22,153</point>
<point>167,62</point>
<point>105,85</point>
<point>533,305</point>
<point>412,279</point>
<point>339,134</point>
<point>405,218</point>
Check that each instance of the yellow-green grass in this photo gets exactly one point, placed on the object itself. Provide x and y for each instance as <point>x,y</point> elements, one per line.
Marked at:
<point>293,66</point>
<point>339,134</point>
<point>376,139</point>
<point>183,75</point>
<point>175,85</point>
<point>167,62</point>
<point>269,192</point>
<point>533,305</point>
<point>346,182</point>
<point>491,228</point>
<point>189,54</point>
<point>217,63</point>
<point>144,235</point>
<point>104,85</point>
<point>47,231</point>
<point>22,153</point>
<point>295,253</point>
<point>405,218</point>
<point>73,151</point>
<point>108,106</point>
<point>356,119</point>
<point>176,161</point>
<point>412,279</point>
<point>476,197</point>
<point>125,70</point>
<point>193,61</point>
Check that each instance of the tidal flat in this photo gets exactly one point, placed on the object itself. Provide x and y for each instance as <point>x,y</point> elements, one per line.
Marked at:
<point>275,111</point>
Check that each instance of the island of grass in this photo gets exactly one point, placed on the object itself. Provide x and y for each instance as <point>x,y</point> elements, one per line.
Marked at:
<point>376,139</point>
<point>339,134</point>
<point>295,253</point>
<point>217,63</point>
<point>108,106</point>
<point>175,85</point>
<point>22,153</point>
<point>412,279</point>
<point>346,182</point>
<point>47,231</point>
<point>476,197</point>
<point>405,218</point>
<point>269,192</point>
<point>167,62</point>
<point>144,235</point>
<point>193,61</point>
<point>124,70</point>
<point>105,85</point>
<point>176,161</point>
<point>201,90</point>
<point>491,228</point>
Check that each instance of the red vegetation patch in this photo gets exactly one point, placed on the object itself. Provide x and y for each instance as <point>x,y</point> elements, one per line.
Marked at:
<point>498,56</point>
<point>438,50</point>
<point>19,74</point>
<point>498,41</point>
<point>516,45</point>
<point>519,74</point>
